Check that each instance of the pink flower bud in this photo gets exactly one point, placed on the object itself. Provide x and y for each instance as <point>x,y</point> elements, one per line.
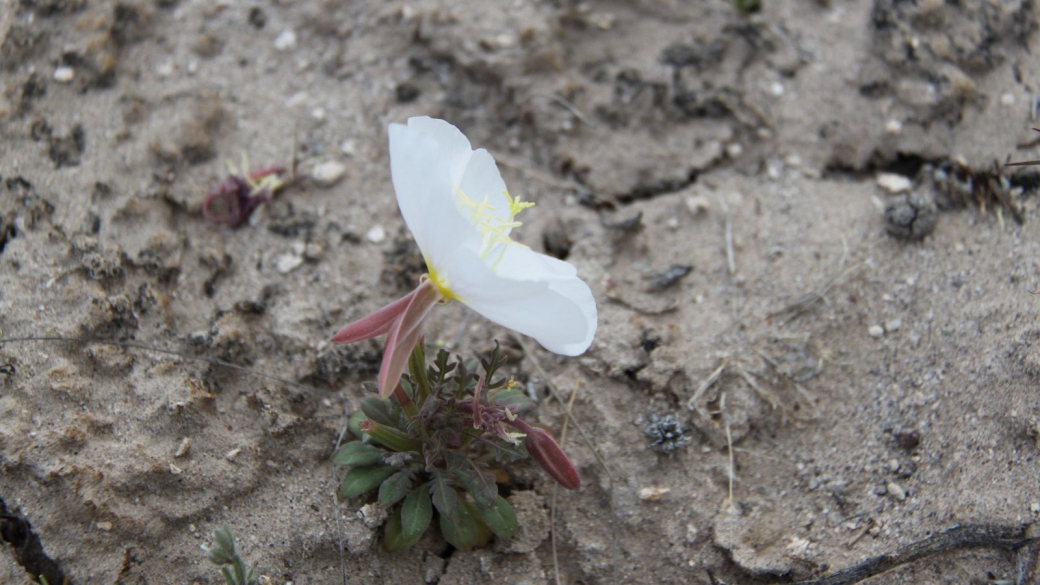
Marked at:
<point>548,453</point>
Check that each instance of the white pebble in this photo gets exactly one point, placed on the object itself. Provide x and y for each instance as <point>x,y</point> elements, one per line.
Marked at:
<point>328,173</point>
<point>318,114</point>
<point>776,89</point>
<point>286,263</point>
<point>734,149</point>
<point>286,40</point>
<point>697,204</point>
<point>893,183</point>
<point>650,494</point>
<point>893,325</point>
<point>296,99</point>
<point>875,331</point>
<point>894,126</point>
<point>896,491</point>
<point>64,74</point>
<point>1007,99</point>
<point>376,234</point>
<point>165,69</point>
<point>348,147</point>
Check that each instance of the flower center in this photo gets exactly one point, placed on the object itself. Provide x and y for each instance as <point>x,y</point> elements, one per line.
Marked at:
<point>494,229</point>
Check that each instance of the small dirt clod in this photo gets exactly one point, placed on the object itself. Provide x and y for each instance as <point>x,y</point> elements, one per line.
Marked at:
<point>910,216</point>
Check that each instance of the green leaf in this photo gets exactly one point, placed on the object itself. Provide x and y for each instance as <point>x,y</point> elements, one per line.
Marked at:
<point>394,537</point>
<point>499,517</point>
<point>444,496</point>
<point>481,485</point>
<point>460,527</point>
<point>379,410</point>
<point>514,399</point>
<point>354,424</point>
<point>395,488</point>
<point>362,479</point>
<point>358,454</point>
<point>416,513</point>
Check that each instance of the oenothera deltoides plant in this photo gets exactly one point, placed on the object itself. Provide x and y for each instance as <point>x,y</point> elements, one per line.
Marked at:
<point>443,426</point>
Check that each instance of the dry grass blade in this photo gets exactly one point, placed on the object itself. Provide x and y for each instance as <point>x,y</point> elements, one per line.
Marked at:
<point>556,489</point>
<point>731,260</point>
<point>765,394</point>
<point>806,301</point>
<point>691,404</point>
<point>569,106</point>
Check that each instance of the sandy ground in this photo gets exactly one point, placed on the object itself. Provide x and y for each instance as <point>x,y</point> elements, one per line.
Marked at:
<point>719,180</point>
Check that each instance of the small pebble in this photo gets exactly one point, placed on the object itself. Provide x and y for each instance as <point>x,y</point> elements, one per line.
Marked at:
<point>1034,507</point>
<point>894,127</point>
<point>328,173</point>
<point>777,89</point>
<point>698,204</point>
<point>174,470</point>
<point>376,234</point>
<point>880,490</point>
<point>896,491</point>
<point>875,331</point>
<point>165,69</point>
<point>348,147</point>
<point>64,74</point>
<point>894,183</point>
<point>296,99</point>
<point>106,526</point>
<point>286,40</point>
<point>734,149</point>
<point>651,494</point>
<point>893,465</point>
<point>1007,99</point>
<point>185,445</point>
<point>910,216</point>
<point>286,263</point>
<point>318,114</point>
<point>230,455</point>
<point>893,325</point>
<point>908,441</point>
<point>314,252</point>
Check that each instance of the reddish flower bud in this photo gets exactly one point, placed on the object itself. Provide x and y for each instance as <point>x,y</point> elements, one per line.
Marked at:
<point>548,453</point>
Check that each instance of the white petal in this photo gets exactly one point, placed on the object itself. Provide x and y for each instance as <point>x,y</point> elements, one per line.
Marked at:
<point>547,301</point>
<point>454,148</point>
<point>424,157</point>
<point>482,182</point>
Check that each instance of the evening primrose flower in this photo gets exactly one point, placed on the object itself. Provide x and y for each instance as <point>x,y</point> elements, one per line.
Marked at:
<point>461,215</point>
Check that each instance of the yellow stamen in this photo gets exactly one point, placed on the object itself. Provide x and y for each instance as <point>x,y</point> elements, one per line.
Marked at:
<point>493,229</point>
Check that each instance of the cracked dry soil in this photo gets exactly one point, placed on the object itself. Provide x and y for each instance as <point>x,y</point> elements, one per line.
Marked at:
<point>713,176</point>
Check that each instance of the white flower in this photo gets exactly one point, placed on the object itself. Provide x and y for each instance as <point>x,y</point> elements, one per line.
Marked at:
<point>461,215</point>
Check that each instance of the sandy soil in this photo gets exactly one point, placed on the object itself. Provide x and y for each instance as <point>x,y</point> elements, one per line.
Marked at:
<point>872,390</point>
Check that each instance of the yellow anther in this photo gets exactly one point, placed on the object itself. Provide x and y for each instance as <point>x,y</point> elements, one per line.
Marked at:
<point>493,229</point>
<point>515,205</point>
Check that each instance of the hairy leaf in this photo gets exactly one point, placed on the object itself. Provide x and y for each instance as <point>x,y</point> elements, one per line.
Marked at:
<point>514,399</point>
<point>461,527</point>
<point>379,410</point>
<point>395,488</point>
<point>481,485</point>
<point>362,479</point>
<point>356,453</point>
<point>394,537</point>
<point>444,496</point>
<point>499,517</point>
<point>354,424</point>
<point>416,513</point>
